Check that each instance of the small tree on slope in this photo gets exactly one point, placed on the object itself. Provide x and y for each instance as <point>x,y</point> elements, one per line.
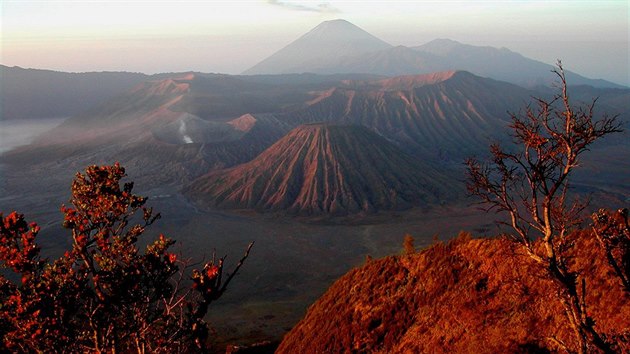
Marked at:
<point>105,294</point>
<point>532,186</point>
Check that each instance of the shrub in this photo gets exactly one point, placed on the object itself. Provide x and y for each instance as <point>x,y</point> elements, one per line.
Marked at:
<point>104,294</point>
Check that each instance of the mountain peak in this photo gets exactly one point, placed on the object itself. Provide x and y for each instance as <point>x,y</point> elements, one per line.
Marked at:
<point>320,47</point>
<point>336,27</point>
<point>335,24</point>
<point>338,46</point>
<point>344,35</point>
<point>441,46</point>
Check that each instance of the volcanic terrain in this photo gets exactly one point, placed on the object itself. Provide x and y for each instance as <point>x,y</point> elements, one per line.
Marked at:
<point>325,169</point>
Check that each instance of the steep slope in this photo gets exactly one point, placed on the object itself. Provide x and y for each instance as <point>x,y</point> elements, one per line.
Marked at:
<point>34,93</point>
<point>448,115</point>
<point>468,296</point>
<point>324,169</point>
<point>321,46</point>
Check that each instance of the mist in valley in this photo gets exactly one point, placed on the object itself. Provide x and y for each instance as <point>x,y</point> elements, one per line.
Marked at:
<point>14,133</point>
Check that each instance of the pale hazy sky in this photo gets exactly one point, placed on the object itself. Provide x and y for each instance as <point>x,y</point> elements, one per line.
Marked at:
<point>591,37</point>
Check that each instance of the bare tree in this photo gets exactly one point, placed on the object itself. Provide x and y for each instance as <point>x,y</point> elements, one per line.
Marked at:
<point>531,185</point>
<point>613,234</point>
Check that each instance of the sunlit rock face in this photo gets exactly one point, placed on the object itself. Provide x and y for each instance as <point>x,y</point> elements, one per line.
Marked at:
<point>325,169</point>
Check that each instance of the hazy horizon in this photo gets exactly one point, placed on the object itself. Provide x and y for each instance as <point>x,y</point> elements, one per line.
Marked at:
<point>229,37</point>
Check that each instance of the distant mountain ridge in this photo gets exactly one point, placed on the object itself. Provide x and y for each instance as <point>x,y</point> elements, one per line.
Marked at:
<point>500,64</point>
<point>340,47</point>
<point>35,93</point>
<point>332,48</point>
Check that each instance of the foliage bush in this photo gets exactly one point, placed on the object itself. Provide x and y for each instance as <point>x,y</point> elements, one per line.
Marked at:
<point>105,294</point>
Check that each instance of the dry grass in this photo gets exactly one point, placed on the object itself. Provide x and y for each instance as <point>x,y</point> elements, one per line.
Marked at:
<point>466,296</point>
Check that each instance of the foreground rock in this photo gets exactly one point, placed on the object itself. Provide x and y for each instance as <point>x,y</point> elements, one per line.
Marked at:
<point>467,296</point>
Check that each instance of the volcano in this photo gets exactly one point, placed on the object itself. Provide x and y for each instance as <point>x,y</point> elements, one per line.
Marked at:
<point>338,46</point>
<point>324,169</point>
<point>320,47</point>
<point>446,115</point>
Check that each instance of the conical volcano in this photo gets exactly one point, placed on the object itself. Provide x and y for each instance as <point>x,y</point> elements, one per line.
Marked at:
<point>320,169</point>
<point>320,47</point>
